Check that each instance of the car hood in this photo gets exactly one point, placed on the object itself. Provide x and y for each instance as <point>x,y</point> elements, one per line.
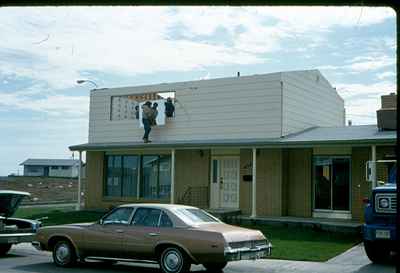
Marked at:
<point>10,200</point>
<point>233,233</point>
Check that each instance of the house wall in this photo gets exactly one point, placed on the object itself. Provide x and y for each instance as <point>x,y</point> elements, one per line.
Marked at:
<point>298,179</point>
<point>269,182</point>
<point>30,170</point>
<point>95,181</point>
<point>309,100</point>
<point>192,170</point>
<point>226,108</point>
<point>60,172</point>
<point>360,188</point>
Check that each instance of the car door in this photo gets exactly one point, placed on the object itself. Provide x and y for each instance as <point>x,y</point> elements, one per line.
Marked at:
<point>144,233</point>
<point>104,239</point>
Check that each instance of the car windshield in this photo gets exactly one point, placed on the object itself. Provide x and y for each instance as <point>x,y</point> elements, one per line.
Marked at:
<point>195,216</point>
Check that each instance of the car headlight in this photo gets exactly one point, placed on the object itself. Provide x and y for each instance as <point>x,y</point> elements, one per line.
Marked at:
<point>384,203</point>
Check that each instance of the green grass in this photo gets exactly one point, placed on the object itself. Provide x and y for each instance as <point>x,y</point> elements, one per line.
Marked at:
<point>289,243</point>
<point>59,216</point>
<point>305,244</point>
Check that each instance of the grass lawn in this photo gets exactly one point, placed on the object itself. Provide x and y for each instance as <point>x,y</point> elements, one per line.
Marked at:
<point>305,244</point>
<point>289,243</point>
<point>59,216</point>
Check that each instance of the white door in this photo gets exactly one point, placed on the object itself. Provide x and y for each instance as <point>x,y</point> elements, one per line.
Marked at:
<point>225,182</point>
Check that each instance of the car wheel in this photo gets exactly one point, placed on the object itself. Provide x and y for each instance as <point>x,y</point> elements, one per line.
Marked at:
<point>4,248</point>
<point>376,252</point>
<point>174,260</point>
<point>64,254</point>
<point>215,267</point>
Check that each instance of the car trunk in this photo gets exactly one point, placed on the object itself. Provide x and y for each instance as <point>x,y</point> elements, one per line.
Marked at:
<point>233,233</point>
<point>9,202</point>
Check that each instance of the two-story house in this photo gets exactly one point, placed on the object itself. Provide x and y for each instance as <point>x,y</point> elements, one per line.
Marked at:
<point>269,145</point>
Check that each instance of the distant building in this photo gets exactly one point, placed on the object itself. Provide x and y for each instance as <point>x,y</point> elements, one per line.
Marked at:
<point>51,167</point>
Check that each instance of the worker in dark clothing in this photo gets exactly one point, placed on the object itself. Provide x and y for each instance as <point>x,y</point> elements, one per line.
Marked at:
<point>154,114</point>
<point>169,108</point>
<point>147,115</point>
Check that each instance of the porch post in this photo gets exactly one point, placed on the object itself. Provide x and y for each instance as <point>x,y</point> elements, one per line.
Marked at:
<point>254,186</point>
<point>373,169</point>
<point>78,205</point>
<point>172,176</point>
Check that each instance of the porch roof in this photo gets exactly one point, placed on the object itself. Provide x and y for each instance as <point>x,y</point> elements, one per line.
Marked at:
<point>362,135</point>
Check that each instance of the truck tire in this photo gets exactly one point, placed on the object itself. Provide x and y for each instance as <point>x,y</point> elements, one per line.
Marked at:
<point>4,248</point>
<point>376,251</point>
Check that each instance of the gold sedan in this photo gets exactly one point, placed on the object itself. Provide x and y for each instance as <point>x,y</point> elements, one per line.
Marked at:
<point>175,236</point>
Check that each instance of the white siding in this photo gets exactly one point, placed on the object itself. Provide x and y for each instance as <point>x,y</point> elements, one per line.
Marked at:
<point>243,107</point>
<point>309,102</point>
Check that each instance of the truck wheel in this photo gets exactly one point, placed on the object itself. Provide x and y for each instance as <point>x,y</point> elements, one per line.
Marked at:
<point>64,254</point>
<point>174,260</point>
<point>4,248</point>
<point>376,252</point>
<point>215,267</point>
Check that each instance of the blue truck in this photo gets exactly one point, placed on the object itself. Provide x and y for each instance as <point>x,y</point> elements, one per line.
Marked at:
<point>379,230</point>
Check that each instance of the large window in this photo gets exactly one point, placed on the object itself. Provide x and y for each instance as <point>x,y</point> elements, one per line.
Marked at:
<point>121,175</point>
<point>332,183</point>
<point>147,176</point>
<point>156,176</point>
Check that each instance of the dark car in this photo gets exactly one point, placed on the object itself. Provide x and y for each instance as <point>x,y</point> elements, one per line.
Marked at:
<point>14,230</point>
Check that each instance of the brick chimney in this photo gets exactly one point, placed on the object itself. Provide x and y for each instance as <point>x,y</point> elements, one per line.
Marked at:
<point>387,114</point>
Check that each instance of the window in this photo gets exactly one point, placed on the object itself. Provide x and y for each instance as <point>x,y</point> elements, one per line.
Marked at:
<point>122,174</point>
<point>65,167</point>
<point>54,167</point>
<point>194,216</point>
<point>123,180</point>
<point>165,221</point>
<point>118,216</point>
<point>332,183</point>
<point>156,178</point>
<point>147,217</point>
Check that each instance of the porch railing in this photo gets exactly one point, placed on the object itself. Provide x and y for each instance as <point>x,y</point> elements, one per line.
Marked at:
<point>195,196</point>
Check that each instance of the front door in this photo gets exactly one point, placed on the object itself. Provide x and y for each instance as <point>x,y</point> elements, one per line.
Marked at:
<point>331,186</point>
<point>225,182</point>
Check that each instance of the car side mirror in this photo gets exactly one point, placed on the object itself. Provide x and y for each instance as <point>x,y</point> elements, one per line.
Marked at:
<point>101,221</point>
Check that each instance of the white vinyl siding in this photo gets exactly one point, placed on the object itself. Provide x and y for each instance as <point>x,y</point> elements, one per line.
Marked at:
<point>228,108</point>
<point>308,102</point>
<point>213,109</point>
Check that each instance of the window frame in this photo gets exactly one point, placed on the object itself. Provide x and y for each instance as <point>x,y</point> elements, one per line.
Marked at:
<point>113,211</point>
<point>139,180</point>
<point>162,211</point>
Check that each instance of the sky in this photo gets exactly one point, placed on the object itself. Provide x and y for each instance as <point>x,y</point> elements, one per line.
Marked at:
<point>45,50</point>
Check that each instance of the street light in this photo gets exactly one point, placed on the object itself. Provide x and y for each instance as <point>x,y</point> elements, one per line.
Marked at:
<point>89,81</point>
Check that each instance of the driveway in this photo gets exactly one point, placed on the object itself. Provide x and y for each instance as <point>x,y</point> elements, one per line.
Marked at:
<point>25,259</point>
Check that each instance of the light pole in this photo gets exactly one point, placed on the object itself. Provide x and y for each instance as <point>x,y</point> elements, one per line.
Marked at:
<point>78,205</point>
<point>89,81</point>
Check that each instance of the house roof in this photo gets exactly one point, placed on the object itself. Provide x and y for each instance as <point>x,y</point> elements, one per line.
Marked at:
<point>363,133</point>
<point>50,162</point>
<point>350,135</point>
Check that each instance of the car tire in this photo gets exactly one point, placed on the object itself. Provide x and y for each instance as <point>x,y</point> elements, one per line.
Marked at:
<point>4,248</point>
<point>376,252</point>
<point>215,267</point>
<point>174,260</point>
<point>64,254</point>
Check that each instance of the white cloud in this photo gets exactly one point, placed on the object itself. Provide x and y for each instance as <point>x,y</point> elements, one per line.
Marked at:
<point>362,100</point>
<point>55,105</point>
<point>386,74</point>
<point>64,42</point>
